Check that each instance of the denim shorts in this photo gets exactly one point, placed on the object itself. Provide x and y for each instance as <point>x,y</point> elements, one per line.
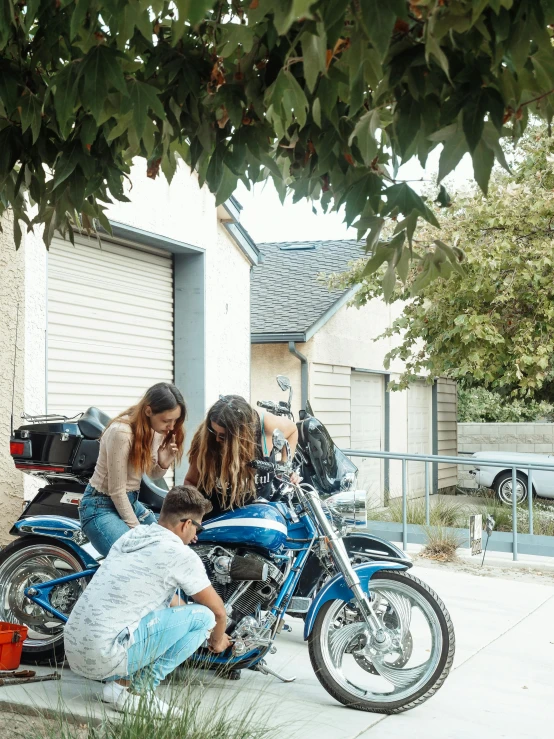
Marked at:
<point>102,524</point>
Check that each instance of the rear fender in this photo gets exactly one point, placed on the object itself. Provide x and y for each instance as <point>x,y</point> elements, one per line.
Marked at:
<point>57,527</point>
<point>337,589</point>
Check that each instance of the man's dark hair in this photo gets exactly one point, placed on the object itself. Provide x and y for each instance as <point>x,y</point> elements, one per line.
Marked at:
<point>184,501</point>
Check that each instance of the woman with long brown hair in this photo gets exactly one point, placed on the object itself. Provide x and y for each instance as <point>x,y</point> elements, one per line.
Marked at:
<point>230,437</point>
<point>143,440</point>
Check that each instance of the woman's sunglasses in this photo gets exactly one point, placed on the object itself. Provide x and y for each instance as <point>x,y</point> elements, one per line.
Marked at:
<point>198,526</point>
<point>218,436</point>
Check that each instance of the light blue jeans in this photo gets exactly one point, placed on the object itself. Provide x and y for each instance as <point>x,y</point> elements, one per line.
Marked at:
<point>162,641</point>
<point>101,522</point>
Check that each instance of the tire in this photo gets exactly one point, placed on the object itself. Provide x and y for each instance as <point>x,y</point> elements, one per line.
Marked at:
<point>343,689</point>
<point>503,488</point>
<point>34,559</point>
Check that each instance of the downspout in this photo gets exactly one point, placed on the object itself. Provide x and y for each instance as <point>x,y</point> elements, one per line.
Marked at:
<point>386,462</point>
<point>435,434</point>
<point>303,374</point>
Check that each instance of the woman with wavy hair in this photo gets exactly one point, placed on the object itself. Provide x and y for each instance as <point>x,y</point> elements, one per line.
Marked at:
<point>143,440</point>
<point>231,436</point>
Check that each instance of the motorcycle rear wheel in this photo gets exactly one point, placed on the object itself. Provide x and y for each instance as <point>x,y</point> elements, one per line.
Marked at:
<point>398,675</point>
<point>28,561</point>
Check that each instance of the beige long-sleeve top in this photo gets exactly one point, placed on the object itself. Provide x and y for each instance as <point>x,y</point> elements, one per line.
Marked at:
<point>115,476</point>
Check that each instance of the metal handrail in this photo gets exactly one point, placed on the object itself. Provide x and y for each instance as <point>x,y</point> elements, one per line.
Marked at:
<point>428,459</point>
<point>438,459</point>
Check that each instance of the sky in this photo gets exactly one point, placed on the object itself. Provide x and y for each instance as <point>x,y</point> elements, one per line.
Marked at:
<point>266,219</point>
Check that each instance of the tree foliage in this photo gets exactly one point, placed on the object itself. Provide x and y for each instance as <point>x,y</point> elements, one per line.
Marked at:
<point>491,324</point>
<point>327,97</point>
<point>479,405</point>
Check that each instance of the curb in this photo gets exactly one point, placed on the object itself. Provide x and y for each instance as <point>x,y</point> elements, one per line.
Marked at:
<point>24,709</point>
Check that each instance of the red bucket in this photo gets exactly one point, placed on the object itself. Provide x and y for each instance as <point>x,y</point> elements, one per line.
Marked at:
<point>12,637</point>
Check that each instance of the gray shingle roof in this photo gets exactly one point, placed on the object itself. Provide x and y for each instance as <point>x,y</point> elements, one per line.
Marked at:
<point>286,294</point>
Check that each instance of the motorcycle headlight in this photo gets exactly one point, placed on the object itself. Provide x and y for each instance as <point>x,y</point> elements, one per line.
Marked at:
<point>350,506</point>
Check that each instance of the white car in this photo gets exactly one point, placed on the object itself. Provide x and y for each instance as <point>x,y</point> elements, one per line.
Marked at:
<point>499,478</point>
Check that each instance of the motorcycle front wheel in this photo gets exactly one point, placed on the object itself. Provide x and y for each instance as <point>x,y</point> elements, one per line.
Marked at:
<point>396,670</point>
<point>29,561</point>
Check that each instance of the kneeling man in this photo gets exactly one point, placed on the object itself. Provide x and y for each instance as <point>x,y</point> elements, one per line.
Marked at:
<point>123,630</point>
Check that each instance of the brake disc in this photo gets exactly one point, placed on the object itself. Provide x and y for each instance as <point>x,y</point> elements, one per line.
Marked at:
<point>22,608</point>
<point>366,664</point>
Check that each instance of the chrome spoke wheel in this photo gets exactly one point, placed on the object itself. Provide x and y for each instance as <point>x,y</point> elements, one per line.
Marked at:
<point>29,566</point>
<point>505,492</point>
<point>393,664</point>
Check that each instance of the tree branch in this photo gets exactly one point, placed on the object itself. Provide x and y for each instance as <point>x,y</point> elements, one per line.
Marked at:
<point>539,97</point>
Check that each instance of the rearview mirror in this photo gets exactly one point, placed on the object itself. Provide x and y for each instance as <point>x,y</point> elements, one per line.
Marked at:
<point>283,382</point>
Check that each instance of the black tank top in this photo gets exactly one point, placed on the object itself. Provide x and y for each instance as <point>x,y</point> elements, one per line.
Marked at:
<point>264,481</point>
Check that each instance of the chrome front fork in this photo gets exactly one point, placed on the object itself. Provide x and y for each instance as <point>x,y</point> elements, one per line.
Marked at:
<point>342,560</point>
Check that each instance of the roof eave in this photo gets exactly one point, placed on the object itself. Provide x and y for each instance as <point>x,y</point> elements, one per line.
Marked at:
<point>244,242</point>
<point>280,337</point>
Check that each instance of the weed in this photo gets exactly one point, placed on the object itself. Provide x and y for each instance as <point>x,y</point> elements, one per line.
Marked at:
<point>441,545</point>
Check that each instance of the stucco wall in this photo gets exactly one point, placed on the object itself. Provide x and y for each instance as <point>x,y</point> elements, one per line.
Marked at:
<point>227,319</point>
<point>36,261</point>
<point>270,360</point>
<point>348,337</point>
<point>12,293</point>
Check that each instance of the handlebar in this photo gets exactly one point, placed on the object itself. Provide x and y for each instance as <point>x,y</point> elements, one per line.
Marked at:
<point>278,409</point>
<point>262,465</point>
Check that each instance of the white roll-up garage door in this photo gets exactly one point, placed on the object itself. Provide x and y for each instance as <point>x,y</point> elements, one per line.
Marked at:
<point>110,325</point>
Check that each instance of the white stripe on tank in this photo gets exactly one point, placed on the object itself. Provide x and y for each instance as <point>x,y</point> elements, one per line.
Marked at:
<point>258,523</point>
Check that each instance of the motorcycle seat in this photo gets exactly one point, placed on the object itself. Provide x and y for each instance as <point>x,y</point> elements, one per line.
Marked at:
<point>152,493</point>
<point>92,423</point>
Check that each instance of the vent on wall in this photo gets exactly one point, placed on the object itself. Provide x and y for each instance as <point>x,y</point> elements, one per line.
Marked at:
<point>298,246</point>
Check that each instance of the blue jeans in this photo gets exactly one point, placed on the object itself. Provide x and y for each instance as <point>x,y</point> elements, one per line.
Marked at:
<point>101,522</point>
<point>162,641</point>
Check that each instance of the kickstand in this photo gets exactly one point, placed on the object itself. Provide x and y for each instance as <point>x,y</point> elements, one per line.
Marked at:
<point>264,669</point>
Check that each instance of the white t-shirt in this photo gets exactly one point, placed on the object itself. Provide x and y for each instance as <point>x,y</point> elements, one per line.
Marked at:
<point>141,573</point>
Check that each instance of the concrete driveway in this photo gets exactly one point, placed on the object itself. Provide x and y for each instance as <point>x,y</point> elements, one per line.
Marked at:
<point>502,684</point>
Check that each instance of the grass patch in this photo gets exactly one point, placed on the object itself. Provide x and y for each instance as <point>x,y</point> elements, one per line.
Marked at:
<point>193,715</point>
<point>456,513</point>
<point>441,545</point>
<point>442,513</point>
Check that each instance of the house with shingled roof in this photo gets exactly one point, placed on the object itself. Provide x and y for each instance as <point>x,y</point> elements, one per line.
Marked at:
<point>332,353</point>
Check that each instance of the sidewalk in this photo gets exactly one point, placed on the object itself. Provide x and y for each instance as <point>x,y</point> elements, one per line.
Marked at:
<point>501,685</point>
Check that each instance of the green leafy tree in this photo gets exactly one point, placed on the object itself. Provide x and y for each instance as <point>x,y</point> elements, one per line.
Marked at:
<point>327,97</point>
<point>490,324</point>
<point>479,405</point>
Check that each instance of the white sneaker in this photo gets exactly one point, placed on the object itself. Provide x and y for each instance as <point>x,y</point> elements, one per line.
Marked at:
<point>119,697</point>
<point>123,701</point>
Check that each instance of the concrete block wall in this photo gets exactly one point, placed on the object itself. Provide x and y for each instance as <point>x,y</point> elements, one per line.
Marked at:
<point>537,438</point>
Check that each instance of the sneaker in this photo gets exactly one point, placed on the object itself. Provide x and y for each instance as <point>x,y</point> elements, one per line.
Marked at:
<point>124,701</point>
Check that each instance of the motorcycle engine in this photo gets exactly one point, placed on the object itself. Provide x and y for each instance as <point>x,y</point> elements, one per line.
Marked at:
<point>228,573</point>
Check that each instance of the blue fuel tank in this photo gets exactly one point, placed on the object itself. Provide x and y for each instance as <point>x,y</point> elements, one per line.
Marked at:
<point>256,525</point>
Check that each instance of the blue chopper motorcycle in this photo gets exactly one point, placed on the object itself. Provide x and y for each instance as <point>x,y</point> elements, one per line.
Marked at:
<point>379,639</point>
